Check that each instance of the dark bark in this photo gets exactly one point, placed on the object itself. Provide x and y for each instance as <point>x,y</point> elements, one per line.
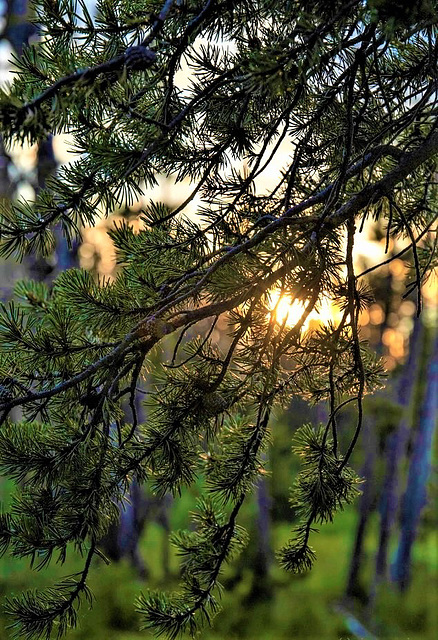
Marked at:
<point>17,32</point>
<point>366,505</point>
<point>261,588</point>
<point>123,537</point>
<point>39,267</point>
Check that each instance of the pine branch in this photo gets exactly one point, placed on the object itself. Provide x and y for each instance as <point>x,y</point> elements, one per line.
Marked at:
<point>354,91</point>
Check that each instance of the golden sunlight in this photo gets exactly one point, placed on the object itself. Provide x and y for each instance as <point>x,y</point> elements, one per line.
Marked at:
<point>286,311</point>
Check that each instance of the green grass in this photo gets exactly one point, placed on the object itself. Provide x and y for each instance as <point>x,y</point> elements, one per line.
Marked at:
<point>300,607</point>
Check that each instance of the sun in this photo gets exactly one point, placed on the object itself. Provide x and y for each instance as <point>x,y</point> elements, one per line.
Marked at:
<point>289,312</point>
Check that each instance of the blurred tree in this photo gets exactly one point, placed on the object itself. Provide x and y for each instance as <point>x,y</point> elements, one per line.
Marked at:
<point>415,497</point>
<point>395,451</point>
<point>367,501</point>
<point>16,31</point>
<point>385,446</point>
<point>123,536</point>
<point>356,93</point>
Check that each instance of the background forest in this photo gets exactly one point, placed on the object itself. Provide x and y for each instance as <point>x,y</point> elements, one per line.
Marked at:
<point>353,591</point>
<point>377,568</point>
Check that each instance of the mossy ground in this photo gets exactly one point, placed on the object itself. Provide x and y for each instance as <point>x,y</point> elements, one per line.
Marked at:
<point>297,607</point>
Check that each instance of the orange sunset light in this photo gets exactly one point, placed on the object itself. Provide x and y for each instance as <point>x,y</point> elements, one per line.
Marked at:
<point>288,311</point>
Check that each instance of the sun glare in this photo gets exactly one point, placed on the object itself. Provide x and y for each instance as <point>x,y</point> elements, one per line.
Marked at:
<point>287,311</point>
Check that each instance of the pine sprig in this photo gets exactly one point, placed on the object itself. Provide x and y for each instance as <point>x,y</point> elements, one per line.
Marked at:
<point>216,540</point>
<point>36,612</point>
<point>323,487</point>
<point>353,89</point>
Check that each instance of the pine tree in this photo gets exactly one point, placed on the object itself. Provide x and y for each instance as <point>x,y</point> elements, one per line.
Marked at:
<point>353,87</point>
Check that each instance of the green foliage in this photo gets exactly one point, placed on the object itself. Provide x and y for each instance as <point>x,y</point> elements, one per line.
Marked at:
<point>312,594</point>
<point>35,612</point>
<point>402,13</point>
<point>323,487</point>
<point>356,99</point>
<point>215,540</point>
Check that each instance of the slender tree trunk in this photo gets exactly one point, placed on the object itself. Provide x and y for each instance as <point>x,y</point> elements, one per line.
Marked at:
<point>18,29</point>
<point>123,537</point>
<point>7,189</point>
<point>39,267</point>
<point>415,496</point>
<point>366,505</point>
<point>395,450</point>
<point>263,560</point>
<point>369,490</point>
<point>16,32</point>
<point>65,257</point>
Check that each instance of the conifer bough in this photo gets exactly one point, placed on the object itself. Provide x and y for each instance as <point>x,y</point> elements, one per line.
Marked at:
<point>353,87</point>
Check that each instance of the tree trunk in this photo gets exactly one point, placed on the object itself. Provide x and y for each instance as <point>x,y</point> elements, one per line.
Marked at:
<point>415,496</point>
<point>18,29</point>
<point>395,450</point>
<point>366,504</point>
<point>261,588</point>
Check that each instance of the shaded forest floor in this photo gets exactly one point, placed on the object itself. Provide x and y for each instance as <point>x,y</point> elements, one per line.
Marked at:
<point>295,608</point>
